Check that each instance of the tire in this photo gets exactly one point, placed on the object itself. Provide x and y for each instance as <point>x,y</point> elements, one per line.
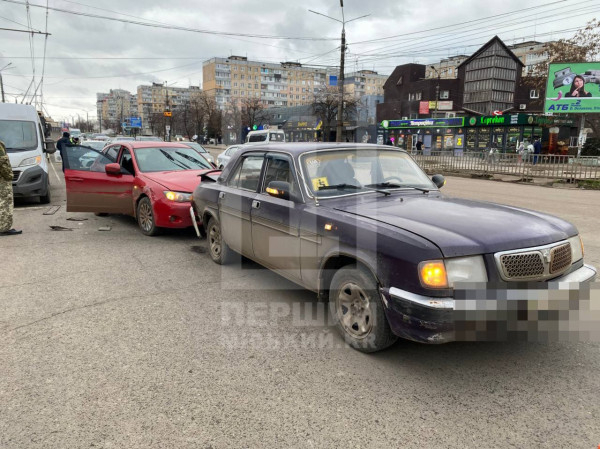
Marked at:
<point>219,251</point>
<point>145,217</point>
<point>47,198</point>
<point>356,308</point>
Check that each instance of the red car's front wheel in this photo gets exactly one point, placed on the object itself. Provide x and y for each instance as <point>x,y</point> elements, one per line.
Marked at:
<point>145,217</point>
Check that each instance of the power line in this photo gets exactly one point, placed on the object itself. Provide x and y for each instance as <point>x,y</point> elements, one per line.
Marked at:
<point>173,27</point>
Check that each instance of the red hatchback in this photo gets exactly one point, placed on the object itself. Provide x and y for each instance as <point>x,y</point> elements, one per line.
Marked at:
<point>151,181</point>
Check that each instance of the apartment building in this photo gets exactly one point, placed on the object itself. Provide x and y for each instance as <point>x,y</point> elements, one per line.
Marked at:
<point>283,84</point>
<point>155,98</point>
<point>364,82</point>
<point>114,106</point>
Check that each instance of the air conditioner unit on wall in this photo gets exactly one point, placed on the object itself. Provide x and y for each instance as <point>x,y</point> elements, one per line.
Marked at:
<point>404,118</point>
<point>450,114</point>
<point>522,106</point>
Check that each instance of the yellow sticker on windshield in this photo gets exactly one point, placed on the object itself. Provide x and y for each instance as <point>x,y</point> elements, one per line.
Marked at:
<point>319,182</point>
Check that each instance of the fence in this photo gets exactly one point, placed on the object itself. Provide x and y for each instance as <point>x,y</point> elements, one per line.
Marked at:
<point>529,166</point>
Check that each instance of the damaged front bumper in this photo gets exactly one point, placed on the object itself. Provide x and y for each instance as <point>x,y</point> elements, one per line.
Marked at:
<point>535,311</point>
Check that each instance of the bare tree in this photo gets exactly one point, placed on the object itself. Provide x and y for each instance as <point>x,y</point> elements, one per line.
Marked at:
<point>325,107</point>
<point>253,112</point>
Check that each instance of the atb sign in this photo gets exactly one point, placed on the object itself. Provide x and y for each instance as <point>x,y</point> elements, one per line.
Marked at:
<point>573,88</point>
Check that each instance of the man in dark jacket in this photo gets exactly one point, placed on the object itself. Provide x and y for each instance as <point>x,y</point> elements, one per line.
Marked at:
<point>537,149</point>
<point>61,145</point>
<point>419,147</point>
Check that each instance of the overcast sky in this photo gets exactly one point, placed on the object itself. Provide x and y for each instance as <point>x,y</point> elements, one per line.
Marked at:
<point>85,55</point>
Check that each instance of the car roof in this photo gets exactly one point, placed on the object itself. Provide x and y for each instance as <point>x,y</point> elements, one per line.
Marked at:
<point>297,148</point>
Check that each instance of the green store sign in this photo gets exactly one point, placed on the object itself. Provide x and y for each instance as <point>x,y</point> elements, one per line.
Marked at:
<point>519,119</point>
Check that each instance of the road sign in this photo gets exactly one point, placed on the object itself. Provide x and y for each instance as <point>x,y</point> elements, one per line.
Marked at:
<point>135,122</point>
<point>167,113</point>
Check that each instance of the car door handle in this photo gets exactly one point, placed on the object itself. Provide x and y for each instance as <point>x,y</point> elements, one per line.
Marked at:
<point>221,195</point>
<point>75,179</point>
<point>256,204</point>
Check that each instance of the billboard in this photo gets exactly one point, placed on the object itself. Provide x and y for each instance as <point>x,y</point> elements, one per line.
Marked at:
<point>573,88</point>
<point>424,123</point>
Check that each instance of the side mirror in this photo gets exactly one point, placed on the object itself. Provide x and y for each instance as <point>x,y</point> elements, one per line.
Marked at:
<point>279,189</point>
<point>439,181</point>
<point>49,146</point>
<point>112,169</point>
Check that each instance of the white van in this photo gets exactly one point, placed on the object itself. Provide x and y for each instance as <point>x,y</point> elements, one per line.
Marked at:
<point>266,136</point>
<point>23,134</point>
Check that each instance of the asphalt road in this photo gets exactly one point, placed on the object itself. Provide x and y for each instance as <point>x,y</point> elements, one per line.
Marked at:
<point>115,340</point>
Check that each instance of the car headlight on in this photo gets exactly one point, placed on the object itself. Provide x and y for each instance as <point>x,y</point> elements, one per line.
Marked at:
<point>576,248</point>
<point>450,272</point>
<point>36,160</point>
<point>178,197</point>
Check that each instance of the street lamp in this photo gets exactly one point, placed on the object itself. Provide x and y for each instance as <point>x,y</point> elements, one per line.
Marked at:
<point>340,121</point>
<point>437,90</point>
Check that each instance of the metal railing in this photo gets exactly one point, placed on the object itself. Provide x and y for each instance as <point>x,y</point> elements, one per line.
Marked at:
<point>526,166</point>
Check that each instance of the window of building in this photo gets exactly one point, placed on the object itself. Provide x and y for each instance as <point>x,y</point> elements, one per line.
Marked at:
<point>444,94</point>
<point>400,80</point>
<point>533,93</point>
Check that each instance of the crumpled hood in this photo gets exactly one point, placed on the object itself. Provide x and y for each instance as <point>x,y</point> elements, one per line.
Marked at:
<point>462,227</point>
<point>180,181</point>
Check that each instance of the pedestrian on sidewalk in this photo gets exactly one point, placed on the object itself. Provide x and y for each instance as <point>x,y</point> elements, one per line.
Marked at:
<point>61,147</point>
<point>419,146</point>
<point>6,194</point>
<point>537,149</point>
<point>520,152</point>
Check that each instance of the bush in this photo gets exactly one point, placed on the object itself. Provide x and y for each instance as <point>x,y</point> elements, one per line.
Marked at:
<point>591,147</point>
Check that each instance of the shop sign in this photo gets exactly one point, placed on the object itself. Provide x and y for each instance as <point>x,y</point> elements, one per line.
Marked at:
<point>519,119</point>
<point>441,105</point>
<point>424,123</point>
<point>573,88</point>
<point>423,107</point>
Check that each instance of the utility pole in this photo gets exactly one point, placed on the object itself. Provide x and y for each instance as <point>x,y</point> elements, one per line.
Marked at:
<point>437,91</point>
<point>168,108</point>
<point>1,82</point>
<point>340,120</point>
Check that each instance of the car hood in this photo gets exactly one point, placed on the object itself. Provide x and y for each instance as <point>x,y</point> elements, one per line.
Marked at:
<point>180,181</point>
<point>462,227</point>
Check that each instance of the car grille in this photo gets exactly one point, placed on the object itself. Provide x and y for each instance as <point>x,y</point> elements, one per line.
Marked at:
<point>534,264</point>
<point>523,265</point>
<point>16,175</point>
<point>560,258</point>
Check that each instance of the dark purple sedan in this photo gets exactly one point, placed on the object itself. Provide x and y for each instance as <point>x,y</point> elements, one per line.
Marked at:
<point>366,229</point>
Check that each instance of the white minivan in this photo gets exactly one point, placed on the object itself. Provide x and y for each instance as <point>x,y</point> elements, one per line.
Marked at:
<point>24,136</point>
<point>266,136</point>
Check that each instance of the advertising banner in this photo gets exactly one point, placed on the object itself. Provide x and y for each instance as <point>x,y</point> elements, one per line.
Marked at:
<point>573,88</point>
<point>424,107</point>
<point>424,123</point>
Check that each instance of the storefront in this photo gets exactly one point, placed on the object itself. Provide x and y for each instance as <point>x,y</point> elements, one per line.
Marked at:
<point>503,132</point>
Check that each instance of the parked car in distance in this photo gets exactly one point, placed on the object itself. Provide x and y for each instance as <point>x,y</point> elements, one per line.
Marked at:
<point>200,149</point>
<point>103,137</point>
<point>151,181</point>
<point>148,139</point>
<point>266,136</point>
<point>364,227</point>
<point>224,158</point>
<point>122,139</point>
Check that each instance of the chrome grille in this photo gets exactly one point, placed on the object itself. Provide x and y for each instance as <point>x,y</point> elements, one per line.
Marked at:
<point>534,264</point>
<point>16,175</point>
<point>560,258</point>
<point>522,266</point>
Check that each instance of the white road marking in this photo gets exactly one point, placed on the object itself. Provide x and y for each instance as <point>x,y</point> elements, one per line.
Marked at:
<point>55,173</point>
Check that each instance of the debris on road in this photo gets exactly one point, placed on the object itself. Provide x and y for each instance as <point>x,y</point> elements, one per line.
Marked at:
<point>104,228</point>
<point>76,219</point>
<point>52,210</point>
<point>60,228</point>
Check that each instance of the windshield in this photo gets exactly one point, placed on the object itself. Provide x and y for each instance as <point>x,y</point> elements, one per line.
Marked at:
<point>196,146</point>
<point>361,170</point>
<point>18,135</point>
<point>156,159</point>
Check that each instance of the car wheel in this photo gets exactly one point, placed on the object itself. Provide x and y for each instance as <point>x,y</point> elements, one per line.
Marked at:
<point>145,217</point>
<point>357,310</point>
<point>219,251</point>
<point>47,198</point>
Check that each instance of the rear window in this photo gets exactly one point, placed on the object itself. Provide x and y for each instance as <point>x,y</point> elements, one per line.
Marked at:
<point>257,138</point>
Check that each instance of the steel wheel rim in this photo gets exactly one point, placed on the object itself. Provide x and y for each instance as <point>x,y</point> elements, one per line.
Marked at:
<point>146,220</point>
<point>354,310</point>
<point>214,236</point>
